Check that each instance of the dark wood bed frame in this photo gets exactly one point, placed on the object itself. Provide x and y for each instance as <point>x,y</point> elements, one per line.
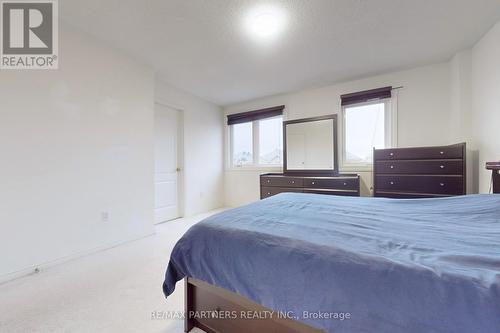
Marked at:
<point>202,297</point>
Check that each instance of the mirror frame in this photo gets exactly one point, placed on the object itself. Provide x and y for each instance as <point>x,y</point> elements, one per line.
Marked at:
<point>324,172</point>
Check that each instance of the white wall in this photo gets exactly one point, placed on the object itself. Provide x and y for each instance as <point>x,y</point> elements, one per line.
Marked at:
<point>461,116</point>
<point>74,142</point>
<point>461,94</point>
<point>424,111</point>
<point>203,148</point>
<point>486,102</point>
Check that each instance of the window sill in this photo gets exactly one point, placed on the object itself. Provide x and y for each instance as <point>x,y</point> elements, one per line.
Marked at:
<point>256,168</point>
<point>356,168</point>
<point>345,169</point>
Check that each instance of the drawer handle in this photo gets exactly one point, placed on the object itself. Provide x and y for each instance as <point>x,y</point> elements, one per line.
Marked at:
<point>441,184</point>
<point>268,181</point>
<point>441,166</point>
<point>268,193</point>
<point>392,183</point>
<point>293,182</point>
<point>441,152</point>
<point>345,184</point>
<point>392,166</point>
<point>313,183</point>
<point>391,154</point>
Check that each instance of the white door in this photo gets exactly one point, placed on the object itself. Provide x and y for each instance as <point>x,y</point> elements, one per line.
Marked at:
<point>166,166</point>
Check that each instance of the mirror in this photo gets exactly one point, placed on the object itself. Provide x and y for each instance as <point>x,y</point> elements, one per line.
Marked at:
<point>310,144</point>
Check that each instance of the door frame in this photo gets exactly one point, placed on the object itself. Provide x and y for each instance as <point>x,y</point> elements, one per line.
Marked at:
<point>180,156</point>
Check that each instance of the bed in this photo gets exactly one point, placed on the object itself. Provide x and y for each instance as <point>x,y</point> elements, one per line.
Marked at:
<point>389,265</point>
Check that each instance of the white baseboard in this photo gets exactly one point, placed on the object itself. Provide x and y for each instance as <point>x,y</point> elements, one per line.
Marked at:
<point>34,269</point>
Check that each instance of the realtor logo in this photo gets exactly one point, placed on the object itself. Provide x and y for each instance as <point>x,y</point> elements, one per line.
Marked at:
<point>29,34</point>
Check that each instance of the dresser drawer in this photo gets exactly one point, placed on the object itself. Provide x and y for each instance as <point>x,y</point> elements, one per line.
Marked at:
<point>449,152</point>
<point>438,167</point>
<point>266,192</point>
<point>338,184</point>
<point>333,192</point>
<point>281,181</point>
<point>402,195</point>
<point>421,184</point>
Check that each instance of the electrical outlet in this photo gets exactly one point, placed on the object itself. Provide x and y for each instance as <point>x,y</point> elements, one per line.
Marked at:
<point>104,216</point>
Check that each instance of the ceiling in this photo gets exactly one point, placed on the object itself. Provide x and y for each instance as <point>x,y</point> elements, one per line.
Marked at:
<point>201,46</point>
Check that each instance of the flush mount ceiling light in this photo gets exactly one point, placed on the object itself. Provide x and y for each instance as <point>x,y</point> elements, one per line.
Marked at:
<point>265,23</point>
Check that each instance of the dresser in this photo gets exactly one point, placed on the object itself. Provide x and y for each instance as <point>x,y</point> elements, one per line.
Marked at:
<point>274,183</point>
<point>423,172</point>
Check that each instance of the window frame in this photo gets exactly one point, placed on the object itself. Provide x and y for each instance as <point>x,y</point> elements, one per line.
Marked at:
<point>390,131</point>
<point>255,147</point>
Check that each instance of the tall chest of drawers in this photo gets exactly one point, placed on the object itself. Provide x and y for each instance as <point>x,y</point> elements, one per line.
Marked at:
<point>423,172</point>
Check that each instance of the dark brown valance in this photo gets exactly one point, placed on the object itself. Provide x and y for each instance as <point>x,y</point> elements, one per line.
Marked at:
<point>248,116</point>
<point>367,95</point>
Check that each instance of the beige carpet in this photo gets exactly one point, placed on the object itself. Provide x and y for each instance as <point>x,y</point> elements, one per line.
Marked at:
<point>111,291</point>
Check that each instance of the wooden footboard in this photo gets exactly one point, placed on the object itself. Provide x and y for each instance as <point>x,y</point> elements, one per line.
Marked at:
<point>217,310</point>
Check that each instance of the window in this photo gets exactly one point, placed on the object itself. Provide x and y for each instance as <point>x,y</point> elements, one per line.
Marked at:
<point>242,144</point>
<point>257,143</point>
<point>271,141</point>
<point>366,126</point>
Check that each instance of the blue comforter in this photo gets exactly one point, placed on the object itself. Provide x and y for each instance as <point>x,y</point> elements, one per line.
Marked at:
<point>427,265</point>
